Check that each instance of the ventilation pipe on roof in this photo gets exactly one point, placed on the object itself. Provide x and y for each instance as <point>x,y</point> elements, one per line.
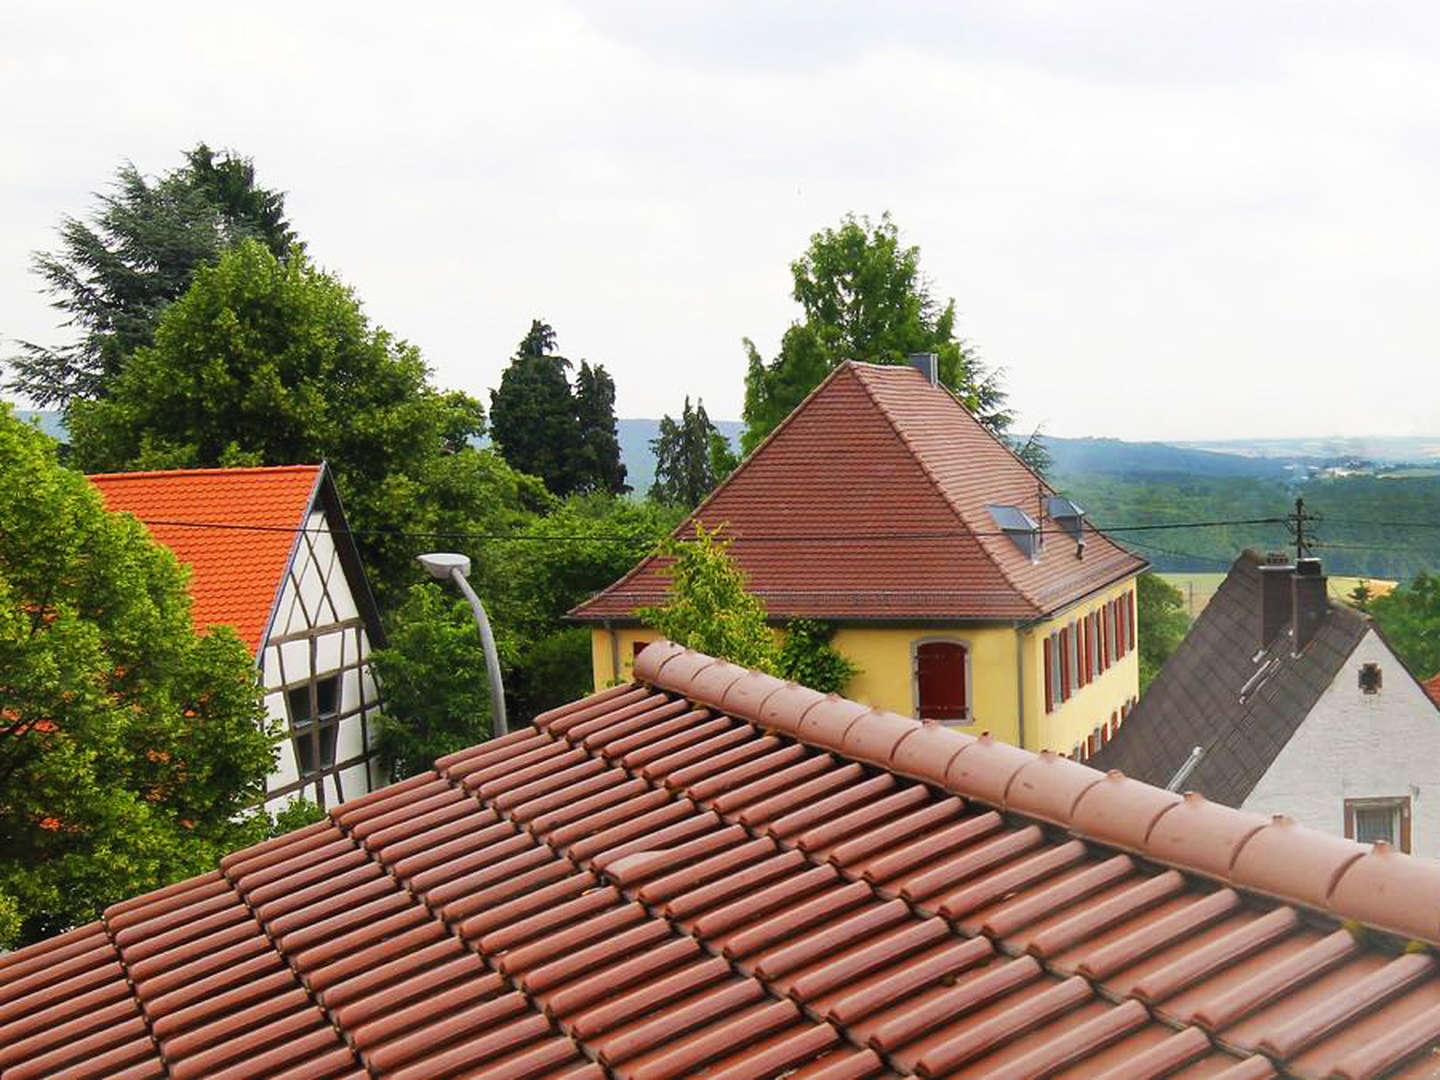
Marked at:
<point>1275,599</point>
<point>929,365</point>
<point>1308,601</point>
<point>1186,769</point>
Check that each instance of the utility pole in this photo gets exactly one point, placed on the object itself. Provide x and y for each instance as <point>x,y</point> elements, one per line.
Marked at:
<point>1296,524</point>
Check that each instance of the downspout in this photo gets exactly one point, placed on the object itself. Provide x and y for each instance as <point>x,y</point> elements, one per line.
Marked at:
<point>1020,682</point>
<point>614,651</point>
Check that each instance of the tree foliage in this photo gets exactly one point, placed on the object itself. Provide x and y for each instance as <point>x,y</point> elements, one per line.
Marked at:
<point>1409,616</point>
<point>862,297</point>
<point>436,690</point>
<point>545,428</point>
<point>130,747</point>
<point>270,362</point>
<point>808,656</point>
<point>1161,623</point>
<point>117,271</point>
<point>707,607</point>
<point>691,457</point>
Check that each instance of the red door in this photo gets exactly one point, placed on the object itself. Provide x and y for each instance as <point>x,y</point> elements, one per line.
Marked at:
<point>940,673</point>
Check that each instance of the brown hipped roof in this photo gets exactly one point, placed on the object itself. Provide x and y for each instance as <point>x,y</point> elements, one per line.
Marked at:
<point>714,873</point>
<point>870,502</point>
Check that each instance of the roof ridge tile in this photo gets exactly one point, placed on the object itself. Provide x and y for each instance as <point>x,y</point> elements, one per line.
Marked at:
<point>1276,858</point>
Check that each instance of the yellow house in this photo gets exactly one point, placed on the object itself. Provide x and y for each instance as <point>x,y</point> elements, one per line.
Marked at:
<point>965,589</point>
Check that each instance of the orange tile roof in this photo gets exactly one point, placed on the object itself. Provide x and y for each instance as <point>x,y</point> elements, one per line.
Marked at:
<point>712,872</point>
<point>235,573</point>
<point>870,502</point>
<point>1431,686</point>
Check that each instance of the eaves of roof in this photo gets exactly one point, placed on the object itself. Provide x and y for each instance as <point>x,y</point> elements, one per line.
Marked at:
<point>713,872</point>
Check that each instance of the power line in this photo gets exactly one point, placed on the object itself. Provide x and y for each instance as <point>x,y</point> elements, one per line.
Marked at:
<point>941,534</point>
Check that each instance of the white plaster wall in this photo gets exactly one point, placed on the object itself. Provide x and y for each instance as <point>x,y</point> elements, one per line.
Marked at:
<point>1356,745</point>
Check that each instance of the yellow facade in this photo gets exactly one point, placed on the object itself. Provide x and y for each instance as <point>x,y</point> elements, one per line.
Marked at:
<point>1006,679</point>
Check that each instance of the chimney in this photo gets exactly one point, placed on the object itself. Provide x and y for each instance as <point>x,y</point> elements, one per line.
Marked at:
<point>1308,601</point>
<point>929,365</point>
<point>1275,597</point>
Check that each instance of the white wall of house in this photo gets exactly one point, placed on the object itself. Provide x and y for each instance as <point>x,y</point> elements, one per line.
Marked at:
<point>1360,746</point>
<point>316,663</point>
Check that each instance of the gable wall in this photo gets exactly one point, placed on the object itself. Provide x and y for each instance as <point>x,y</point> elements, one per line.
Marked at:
<point>1356,745</point>
<point>318,633</point>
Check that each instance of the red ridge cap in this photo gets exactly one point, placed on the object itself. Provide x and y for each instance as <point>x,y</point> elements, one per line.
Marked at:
<point>1274,857</point>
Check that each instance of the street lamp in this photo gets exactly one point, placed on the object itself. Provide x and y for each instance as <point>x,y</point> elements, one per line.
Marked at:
<point>444,565</point>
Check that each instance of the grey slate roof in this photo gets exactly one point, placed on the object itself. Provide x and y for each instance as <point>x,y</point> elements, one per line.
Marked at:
<point>1196,698</point>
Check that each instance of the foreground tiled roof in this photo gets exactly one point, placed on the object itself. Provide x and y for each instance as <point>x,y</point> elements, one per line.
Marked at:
<point>714,873</point>
<point>235,573</point>
<point>870,502</point>
<point>1200,699</point>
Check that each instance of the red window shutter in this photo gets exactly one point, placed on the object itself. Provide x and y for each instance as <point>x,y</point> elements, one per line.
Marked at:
<point>940,677</point>
<point>1089,655</point>
<point>1065,664</point>
<point>1105,636</point>
<point>1049,678</point>
<point>1130,607</point>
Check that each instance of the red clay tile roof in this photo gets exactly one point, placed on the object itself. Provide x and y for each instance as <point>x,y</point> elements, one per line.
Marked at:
<point>713,873</point>
<point>235,574</point>
<point>870,502</point>
<point>1432,687</point>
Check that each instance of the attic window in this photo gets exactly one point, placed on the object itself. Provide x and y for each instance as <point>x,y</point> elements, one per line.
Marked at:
<point>1066,513</point>
<point>1020,527</point>
<point>1369,678</point>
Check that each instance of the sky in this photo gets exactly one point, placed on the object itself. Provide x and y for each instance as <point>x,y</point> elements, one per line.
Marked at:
<point>1163,221</point>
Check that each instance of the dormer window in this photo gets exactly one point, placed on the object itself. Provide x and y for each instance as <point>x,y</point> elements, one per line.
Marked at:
<point>1066,513</point>
<point>1020,527</point>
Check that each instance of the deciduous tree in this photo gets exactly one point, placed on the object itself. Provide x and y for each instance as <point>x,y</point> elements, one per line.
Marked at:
<point>1410,617</point>
<point>706,606</point>
<point>117,270</point>
<point>130,747</point>
<point>271,362</point>
<point>862,297</point>
<point>1161,623</point>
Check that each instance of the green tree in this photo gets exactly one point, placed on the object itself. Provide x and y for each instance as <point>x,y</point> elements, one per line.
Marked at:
<point>691,457</point>
<point>436,691</point>
<point>545,428</point>
<point>271,362</point>
<point>1409,616</point>
<point>862,297</point>
<point>116,272</point>
<point>1361,595</point>
<point>808,656</point>
<point>599,459</point>
<point>707,607</point>
<point>130,747</point>
<point>1161,624</point>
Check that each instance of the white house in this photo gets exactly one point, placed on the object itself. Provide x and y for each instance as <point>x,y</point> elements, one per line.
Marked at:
<point>271,556</point>
<point>1281,700</point>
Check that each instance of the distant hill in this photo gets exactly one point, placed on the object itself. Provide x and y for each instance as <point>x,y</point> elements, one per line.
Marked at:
<point>1113,457</point>
<point>48,421</point>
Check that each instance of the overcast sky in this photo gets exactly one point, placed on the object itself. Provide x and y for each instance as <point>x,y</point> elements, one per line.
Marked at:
<point>1164,221</point>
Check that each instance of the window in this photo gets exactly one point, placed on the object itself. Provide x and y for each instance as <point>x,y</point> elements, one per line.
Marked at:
<point>315,731</point>
<point>1369,678</point>
<point>1373,821</point>
<point>942,681</point>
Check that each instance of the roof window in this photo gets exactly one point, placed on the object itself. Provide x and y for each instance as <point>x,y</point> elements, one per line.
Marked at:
<point>1020,527</point>
<point>1066,513</point>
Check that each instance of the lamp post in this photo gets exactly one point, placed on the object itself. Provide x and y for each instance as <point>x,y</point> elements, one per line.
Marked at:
<point>444,565</point>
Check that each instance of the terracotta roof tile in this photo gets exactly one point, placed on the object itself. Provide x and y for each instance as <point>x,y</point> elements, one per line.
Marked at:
<point>235,574</point>
<point>870,502</point>
<point>637,887</point>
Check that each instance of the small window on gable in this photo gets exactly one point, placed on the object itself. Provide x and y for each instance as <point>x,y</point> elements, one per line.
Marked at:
<point>1369,678</point>
<point>314,749</point>
<point>1374,821</point>
<point>942,681</point>
<point>1020,527</point>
